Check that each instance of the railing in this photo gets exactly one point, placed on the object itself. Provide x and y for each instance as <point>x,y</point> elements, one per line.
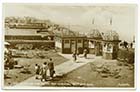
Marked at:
<point>30,40</point>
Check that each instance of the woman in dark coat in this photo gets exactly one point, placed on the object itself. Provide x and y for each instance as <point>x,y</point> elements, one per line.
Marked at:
<point>85,53</point>
<point>74,55</point>
<point>51,68</point>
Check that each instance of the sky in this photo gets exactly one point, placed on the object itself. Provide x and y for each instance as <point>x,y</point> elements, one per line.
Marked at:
<point>79,17</point>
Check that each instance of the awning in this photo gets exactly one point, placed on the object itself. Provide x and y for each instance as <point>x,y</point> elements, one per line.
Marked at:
<point>6,43</point>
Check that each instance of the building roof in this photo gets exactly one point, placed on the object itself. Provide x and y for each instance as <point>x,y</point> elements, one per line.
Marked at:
<point>45,32</point>
<point>20,32</point>
<point>94,33</point>
<point>66,32</point>
<point>110,35</point>
<point>27,32</point>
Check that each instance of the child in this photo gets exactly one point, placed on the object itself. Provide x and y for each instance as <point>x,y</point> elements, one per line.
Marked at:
<point>43,72</point>
<point>37,70</point>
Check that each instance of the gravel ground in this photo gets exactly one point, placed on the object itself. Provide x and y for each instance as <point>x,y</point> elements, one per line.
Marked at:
<point>87,77</point>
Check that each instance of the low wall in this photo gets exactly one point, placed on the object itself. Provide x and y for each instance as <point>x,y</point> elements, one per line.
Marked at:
<point>32,44</point>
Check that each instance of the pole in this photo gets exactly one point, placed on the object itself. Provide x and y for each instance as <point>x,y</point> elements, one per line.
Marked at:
<point>111,21</point>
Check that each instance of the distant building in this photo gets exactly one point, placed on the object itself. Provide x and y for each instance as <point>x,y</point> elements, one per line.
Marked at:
<point>30,38</point>
<point>95,42</point>
<point>101,44</point>
<point>110,44</point>
<point>25,23</point>
<point>70,41</point>
<point>133,42</point>
<point>32,33</point>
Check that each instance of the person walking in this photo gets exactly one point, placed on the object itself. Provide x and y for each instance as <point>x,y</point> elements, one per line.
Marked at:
<point>85,53</point>
<point>131,45</point>
<point>74,56</point>
<point>51,68</point>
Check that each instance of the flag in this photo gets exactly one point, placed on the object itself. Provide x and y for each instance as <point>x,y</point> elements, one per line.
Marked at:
<point>93,21</point>
<point>110,21</point>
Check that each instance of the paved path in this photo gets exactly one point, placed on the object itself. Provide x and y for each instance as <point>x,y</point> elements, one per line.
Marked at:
<point>61,69</point>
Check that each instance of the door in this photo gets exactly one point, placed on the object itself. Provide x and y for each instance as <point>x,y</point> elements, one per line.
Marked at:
<point>73,46</point>
<point>101,49</point>
<point>115,52</point>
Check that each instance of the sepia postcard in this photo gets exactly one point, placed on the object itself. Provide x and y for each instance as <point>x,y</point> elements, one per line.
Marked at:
<point>66,46</point>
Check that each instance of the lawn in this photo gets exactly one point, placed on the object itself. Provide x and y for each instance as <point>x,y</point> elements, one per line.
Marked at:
<point>15,76</point>
<point>125,55</point>
<point>84,76</point>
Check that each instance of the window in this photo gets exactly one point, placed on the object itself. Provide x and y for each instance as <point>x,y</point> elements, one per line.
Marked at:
<point>66,41</point>
<point>109,48</point>
<point>79,41</point>
<point>91,44</point>
<point>86,43</point>
<point>66,44</point>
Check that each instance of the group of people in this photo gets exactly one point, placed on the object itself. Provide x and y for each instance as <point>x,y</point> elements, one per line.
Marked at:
<point>46,71</point>
<point>76,54</point>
